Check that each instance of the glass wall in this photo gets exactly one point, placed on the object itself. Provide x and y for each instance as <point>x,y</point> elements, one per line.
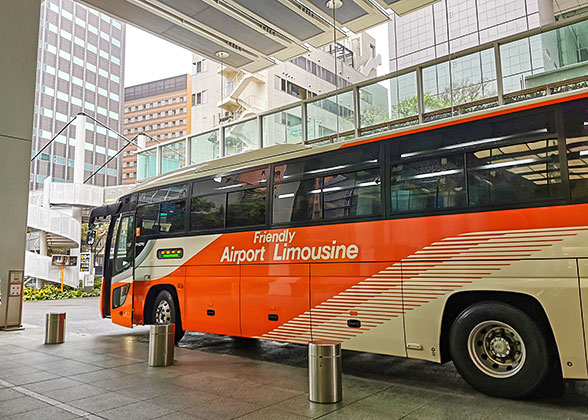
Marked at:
<point>146,164</point>
<point>241,137</point>
<point>204,147</point>
<point>173,156</point>
<point>282,127</point>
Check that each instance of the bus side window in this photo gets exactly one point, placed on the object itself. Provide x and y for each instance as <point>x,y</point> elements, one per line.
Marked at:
<point>355,194</point>
<point>430,184</point>
<point>147,219</point>
<point>208,212</point>
<point>297,201</point>
<point>171,217</point>
<point>515,173</point>
<point>246,208</point>
<point>575,115</point>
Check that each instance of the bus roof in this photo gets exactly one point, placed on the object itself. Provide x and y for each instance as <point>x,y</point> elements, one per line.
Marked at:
<point>258,157</point>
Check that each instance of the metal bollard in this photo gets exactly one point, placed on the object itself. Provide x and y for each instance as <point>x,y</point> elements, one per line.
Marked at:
<point>161,344</point>
<point>324,371</point>
<point>54,328</point>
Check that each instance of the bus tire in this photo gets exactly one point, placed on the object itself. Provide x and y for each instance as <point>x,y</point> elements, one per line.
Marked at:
<point>164,312</point>
<point>499,350</point>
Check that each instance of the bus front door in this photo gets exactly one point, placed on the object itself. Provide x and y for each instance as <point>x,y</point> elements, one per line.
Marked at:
<point>121,297</point>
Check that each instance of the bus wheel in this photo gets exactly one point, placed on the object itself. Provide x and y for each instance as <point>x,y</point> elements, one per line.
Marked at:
<point>499,350</point>
<point>164,312</point>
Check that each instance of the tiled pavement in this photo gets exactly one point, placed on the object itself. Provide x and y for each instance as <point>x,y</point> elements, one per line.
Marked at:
<point>106,377</point>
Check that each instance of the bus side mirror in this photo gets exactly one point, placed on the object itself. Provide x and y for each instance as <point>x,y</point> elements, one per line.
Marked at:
<point>90,237</point>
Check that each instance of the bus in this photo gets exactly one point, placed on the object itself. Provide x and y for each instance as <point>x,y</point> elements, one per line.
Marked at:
<point>461,240</point>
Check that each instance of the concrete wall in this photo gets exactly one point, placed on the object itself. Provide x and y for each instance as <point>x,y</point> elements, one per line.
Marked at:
<point>19,33</point>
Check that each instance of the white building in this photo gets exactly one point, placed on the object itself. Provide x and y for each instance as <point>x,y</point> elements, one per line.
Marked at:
<point>222,94</point>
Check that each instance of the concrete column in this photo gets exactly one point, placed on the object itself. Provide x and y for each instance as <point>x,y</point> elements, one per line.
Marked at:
<point>46,202</point>
<point>80,150</point>
<point>76,213</point>
<point>19,38</point>
<point>158,161</point>
<point>141,141</point>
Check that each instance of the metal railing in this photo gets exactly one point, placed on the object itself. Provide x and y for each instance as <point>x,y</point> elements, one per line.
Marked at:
<point>539,62</point>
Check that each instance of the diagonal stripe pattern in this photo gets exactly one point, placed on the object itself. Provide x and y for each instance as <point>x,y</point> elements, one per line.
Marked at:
<point>434,271</point>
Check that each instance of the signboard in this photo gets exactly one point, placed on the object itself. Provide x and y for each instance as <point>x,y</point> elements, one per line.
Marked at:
<point>85,262</point>
<point>62,259</point>
<point>88,280</point>
<point>13,314</point>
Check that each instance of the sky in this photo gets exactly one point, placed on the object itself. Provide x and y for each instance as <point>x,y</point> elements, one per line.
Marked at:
<point>150,58</point>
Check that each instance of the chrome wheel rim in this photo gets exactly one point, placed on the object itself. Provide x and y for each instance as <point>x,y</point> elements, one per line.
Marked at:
<point>163,313</point>
<point>496,349</point>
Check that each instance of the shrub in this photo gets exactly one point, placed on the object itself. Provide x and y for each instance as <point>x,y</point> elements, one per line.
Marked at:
<point>54,292</point>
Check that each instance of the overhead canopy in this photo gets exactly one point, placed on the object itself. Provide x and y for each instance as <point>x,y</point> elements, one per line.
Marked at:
<point>252,32</point>
<point>403,7</point>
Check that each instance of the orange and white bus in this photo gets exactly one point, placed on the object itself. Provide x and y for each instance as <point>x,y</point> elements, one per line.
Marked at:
<point>464,239</point>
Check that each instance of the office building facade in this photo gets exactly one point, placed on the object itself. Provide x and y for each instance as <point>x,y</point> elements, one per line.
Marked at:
<point>451,26</point>
<point>159,109</point>
<point>80,68</point>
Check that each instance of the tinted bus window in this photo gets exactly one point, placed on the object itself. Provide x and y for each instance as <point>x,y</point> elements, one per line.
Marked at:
<point>575,116</point>
<point>516,173</point>
<point>578,167</point>
<point>163,194</point>
<point>147,219</point>
<point>477,134</point>
<point>208,212</point>
<point>225,183</point>
<point>328,162</point>
<point>297,201</point>
<point>430,184</point>
<point>172,217</point>
<point>246,208</point>
<point>353,194</point>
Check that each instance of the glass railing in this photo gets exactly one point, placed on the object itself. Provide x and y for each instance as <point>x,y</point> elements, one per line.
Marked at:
<point>539,62</point>
<point>241,137</point>
<point>204,147</point>
<point>282,127</point>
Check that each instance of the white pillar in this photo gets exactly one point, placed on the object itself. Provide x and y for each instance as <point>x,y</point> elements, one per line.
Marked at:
<point>46,202</point>
<point>80,150</point>
<point>76,213</point>
<point>158,161</point>
<point>141,141</point>
<point>19,43</point>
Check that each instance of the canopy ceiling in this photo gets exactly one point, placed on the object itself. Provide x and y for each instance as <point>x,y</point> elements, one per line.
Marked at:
<point>252,32</point>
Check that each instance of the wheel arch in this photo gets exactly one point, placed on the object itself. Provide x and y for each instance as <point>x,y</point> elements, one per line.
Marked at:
<point>459,301</point>
<point>150,300</point>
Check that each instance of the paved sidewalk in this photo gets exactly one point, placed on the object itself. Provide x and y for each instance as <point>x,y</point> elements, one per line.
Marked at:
<point>107,377</point>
